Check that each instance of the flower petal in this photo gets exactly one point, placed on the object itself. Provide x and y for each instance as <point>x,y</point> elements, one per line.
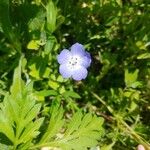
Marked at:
<point>65,71</point>
<point>77,49</point>
<point>64,56</point>
<point>86,60</point>
<point>79,73</point>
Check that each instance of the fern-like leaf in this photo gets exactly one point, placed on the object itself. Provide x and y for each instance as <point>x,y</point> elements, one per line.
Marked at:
<point>18,113</point>
<point>82,132</point>
<point>55,124</point>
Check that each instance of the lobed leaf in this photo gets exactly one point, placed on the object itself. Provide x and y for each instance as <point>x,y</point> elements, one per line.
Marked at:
<point>19,111</point>
<point>55,124</point>
<point>83,131</point>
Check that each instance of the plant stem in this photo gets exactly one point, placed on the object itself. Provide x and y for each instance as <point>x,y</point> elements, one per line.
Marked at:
<point>120,120</point>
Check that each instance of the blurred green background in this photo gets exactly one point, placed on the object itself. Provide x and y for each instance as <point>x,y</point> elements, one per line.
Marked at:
<point>117,35</point>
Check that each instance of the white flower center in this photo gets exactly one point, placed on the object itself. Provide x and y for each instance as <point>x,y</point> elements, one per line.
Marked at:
<point>74,61</point>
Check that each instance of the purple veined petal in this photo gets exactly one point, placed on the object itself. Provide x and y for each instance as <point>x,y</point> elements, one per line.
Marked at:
<point>88,55</point>
<point>79,73</point>
<point>65,71</point>
<point>64,56</point>
<point>86,60</point>
<point>77,49</point>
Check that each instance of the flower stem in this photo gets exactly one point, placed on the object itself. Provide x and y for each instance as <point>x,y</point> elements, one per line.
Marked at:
<point>120,121</point>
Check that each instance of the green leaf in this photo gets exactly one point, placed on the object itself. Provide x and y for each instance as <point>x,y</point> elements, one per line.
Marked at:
<point>74,123</point>
<point>31,131</point>
<point>33,44</point>
<point>55,124</point>
<point>131,77</point>
<point>60,20</point>
<point>7,129</point>
<point>51,14</point>
<point>108,147</point>
<point>18,113</point>
<point>5,147</point>
<point>16,88</point>
<point>31,114</point>
<point>38,67</point>
<point>71,94</point>
<point>38,22</point>
<point>45,93</point>
<point>119,2</point>
<point>60,79</point>
<point>82,132</point>
<point>49,45</point>
<point>7,26</point>
<point>54,85</point>
<point>144,56</point>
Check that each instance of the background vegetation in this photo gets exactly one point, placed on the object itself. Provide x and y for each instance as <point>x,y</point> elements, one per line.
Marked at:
<point>110,108</point>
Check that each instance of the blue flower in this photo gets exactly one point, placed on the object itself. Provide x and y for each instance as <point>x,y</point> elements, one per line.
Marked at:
<point>74,63</point>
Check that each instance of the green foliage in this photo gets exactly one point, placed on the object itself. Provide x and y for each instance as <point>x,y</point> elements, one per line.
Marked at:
<point>7,26</point>
<point>18,113</point>
<point>131,79</point>
<point>20,123</point>
<point>41,109</point>
<point>82,132</point>
<point>55,124</point>
<point>51,13</point>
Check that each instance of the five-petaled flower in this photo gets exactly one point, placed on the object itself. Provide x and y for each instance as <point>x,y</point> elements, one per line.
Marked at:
<point>74,63</point>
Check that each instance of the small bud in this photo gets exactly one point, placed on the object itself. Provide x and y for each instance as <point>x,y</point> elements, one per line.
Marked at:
<point>45,148</point>
<point>140,147</point>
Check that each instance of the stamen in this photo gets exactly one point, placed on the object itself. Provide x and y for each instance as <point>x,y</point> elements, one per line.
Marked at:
<point>73,62</point>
